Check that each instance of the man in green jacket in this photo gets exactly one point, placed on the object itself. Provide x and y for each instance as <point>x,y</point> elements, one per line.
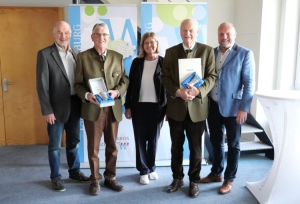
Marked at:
<point>108,64</point>
<point>187,109</point>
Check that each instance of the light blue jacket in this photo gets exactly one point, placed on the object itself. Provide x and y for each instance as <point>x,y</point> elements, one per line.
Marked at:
<point>236,82</point>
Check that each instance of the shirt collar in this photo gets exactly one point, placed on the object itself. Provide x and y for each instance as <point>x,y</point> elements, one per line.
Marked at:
<point>101,54</point>
<point>62,50</point>
<point>187,48</point>
<point>104,52</point>
<point>228,50</point>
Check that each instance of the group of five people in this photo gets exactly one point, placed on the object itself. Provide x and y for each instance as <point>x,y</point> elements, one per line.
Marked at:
<point>153,94</point>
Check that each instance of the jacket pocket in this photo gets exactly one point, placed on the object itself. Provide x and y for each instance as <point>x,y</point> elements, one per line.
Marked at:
<point>237,96</point>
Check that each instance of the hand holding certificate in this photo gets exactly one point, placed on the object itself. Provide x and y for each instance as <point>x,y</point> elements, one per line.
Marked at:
<point>190,72</point>
<point>193,79</point>
<point>98,88</point>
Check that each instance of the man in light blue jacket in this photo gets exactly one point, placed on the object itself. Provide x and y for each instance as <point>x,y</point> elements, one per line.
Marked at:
<point>230,101</point>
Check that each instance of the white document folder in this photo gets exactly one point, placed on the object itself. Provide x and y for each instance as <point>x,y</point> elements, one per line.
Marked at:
<point>187,67</point>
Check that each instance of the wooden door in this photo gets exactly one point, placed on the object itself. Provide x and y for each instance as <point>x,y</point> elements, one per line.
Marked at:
<point>23,31</point>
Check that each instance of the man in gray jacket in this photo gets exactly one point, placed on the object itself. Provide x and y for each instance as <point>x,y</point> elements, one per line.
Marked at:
<point>59,103</point>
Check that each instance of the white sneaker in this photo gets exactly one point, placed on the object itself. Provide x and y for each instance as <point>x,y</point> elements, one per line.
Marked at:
<point>144,179</point>
<point>153,175</point>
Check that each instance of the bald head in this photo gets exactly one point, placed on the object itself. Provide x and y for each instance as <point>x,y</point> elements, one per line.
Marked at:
<point>62,33</point>
<point>189,32</point>
<point>60,24</point>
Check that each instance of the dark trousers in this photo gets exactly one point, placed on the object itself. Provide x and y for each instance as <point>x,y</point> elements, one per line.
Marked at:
<point>147,120</point>
<point>193,132</point>
<point>217,124</point>
<point>107,125</point>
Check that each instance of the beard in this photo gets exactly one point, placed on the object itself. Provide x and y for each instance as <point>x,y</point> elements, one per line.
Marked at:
<point>226,44</point>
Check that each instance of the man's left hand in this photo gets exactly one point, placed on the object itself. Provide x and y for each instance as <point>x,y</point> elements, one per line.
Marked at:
<point>192,90</point>
<point>241,117</point>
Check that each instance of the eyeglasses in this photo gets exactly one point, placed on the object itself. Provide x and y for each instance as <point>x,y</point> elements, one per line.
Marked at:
<point>150,43</point>
<point>101,34</point>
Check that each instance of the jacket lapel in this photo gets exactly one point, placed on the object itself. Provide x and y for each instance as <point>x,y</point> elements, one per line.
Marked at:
<point>231,55</point>
<point>74,55</point>
<point>58,60</point>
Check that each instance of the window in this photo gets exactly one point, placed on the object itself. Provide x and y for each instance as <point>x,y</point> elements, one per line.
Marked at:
<point>297,80</point>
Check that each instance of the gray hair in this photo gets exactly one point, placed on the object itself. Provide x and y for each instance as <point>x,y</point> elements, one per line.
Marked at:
<point>195,22</point>
<point>60,24</point>
<point>101,25</point>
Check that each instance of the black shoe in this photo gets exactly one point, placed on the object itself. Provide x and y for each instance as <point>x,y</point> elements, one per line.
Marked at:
<point>114,185</point>
<point>94,188</point>
<point>194,190</point>
<point>173,187</point>
<point>79,176</point>
<point>58,185</point>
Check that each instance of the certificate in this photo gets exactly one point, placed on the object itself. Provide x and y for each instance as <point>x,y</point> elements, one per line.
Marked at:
<point>99,89</point>
<point>97,85</point>
<point>187,67</point>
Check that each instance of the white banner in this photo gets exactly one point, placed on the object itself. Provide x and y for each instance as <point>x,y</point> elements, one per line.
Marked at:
<point>122,23</point>
<point>164,19</point>
<point>123,39</point>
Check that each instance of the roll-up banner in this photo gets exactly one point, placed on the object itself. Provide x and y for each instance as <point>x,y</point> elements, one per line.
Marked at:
<point>164,20</point>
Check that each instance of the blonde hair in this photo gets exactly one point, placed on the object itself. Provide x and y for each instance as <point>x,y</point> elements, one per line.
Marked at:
<point>144,37</point>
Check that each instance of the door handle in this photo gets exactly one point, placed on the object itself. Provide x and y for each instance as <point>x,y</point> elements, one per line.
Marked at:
<point>5,83</point>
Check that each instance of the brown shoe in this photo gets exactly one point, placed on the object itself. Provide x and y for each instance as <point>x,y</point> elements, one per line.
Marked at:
<point>194,190</point>
<point>94,188</point>
<point>226,187</point>
<point>211,178</point>
<point>113,184</point>
<point>173,187</point>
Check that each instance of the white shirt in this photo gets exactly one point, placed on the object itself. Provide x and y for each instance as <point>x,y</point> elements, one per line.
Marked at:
<point>188,48</point>
<point>69,65</point>
<point>220,59</point>
<point>147,91</point>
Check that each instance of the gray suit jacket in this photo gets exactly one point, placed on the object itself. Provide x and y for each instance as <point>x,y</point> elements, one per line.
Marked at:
<point>52,83</point>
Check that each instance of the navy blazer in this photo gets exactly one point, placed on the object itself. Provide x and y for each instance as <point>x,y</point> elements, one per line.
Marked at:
<point>135,79</point>
<point>236,81</point>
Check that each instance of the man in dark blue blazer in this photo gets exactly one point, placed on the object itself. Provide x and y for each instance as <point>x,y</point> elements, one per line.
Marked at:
<point>230,101</point>
<point>59,103</point>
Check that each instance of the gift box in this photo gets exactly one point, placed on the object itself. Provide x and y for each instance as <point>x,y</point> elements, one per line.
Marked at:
<point>192,79</point>
<point>99,89</point>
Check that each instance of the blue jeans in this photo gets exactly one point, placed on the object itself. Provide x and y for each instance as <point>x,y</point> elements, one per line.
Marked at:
<point>217,124</point>
<point>72,140</point>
